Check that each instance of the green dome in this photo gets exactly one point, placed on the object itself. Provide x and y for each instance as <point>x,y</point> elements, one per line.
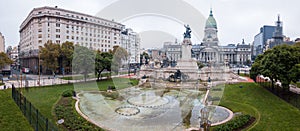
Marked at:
<point>211,22</point>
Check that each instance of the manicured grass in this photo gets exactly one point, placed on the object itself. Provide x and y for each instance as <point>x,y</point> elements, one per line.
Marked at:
<point>79,77</point>
<point>271,112</point>
<point>11,117</point>
<point>44,98</point>
<point>1,84</point>
<point>244,75</point>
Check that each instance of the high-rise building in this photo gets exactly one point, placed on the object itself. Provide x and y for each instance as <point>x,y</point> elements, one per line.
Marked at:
<point>259,44</point>
<point>277,37</point>
<point>130,41</point>
<point>60,25</point>
<point>2,43</point>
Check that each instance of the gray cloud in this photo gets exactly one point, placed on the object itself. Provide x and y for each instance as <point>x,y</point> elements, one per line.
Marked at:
<point>236,19</point>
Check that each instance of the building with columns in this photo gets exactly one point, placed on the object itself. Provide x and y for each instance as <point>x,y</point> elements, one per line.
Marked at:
<point>172,50</point>
<point>210,50</point>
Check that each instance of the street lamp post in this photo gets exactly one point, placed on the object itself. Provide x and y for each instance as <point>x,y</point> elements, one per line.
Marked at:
<point>204,122</point>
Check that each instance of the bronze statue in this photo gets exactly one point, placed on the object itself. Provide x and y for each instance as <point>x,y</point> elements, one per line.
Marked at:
<point>188,31</point>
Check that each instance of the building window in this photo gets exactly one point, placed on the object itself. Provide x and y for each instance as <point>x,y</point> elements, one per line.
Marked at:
<point>40,30</point>
<point>57,25</point>
<point>57,30</point>
<point>67,37</point>
<point>57,36</point>
<point>40,36</point>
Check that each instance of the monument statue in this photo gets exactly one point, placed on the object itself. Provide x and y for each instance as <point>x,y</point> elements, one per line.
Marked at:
<point>188,31</point>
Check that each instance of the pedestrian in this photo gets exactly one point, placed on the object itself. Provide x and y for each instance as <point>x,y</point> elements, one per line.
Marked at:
<point>4,87</point>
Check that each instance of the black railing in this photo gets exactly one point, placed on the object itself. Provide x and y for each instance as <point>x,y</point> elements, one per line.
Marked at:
<point>34,117</point>
<point>285,94</point>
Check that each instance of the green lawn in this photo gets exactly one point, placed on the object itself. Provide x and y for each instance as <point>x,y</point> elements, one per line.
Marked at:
<point>44,98</point>
<point>244,75</point>
<point>270,111</point>
<point>11,117</point>
<point>77,77</point>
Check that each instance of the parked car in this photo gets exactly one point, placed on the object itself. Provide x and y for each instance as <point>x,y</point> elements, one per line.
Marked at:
<point>25,70</point>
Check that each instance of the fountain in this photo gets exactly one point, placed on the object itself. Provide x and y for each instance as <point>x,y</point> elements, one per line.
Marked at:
<point>158,104</point>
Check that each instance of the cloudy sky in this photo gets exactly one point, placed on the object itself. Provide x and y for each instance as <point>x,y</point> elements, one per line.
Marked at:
<point>162,20</point>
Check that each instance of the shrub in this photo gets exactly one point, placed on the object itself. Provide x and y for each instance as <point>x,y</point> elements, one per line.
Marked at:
<point>113,95</point>
<point>72,121</point>
<point>236,123</point>
<point>217,89</point>
<point>68,93</point>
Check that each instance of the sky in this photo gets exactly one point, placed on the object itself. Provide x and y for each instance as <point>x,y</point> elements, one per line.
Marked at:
<point>162,20</point>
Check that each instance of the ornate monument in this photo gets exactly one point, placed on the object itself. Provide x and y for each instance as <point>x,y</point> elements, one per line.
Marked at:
<point>187,64</point>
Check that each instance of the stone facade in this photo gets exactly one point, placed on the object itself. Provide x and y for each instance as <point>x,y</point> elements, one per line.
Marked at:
<point>210,50</point>
<point>130,41</point>
<point>2,43</point>
<point>172,50</point>
<point>60,25</point>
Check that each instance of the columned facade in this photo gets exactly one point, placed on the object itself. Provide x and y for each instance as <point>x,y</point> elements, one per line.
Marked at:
<point>210,51</point>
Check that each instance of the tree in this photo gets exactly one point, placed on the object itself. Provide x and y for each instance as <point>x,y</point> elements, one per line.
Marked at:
<point>4,60</point>
<point>103,61</point>
<point>83,61</point>
<point>146,56</point>
<point>119,55</point>
<point>295,73</point>
<point>66,55</point>
<point>278,63</point>
<point>49,54</point>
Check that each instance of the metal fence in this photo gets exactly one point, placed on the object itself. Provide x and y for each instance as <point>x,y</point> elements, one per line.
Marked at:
<point>34,117</point>
<point>285,94</point>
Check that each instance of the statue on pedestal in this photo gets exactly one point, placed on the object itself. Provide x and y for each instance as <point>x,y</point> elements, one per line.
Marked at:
<point>188,31</point>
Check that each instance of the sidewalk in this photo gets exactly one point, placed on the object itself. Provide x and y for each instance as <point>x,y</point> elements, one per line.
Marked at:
<point>55,81</point>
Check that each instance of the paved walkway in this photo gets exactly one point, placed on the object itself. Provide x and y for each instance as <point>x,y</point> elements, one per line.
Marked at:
<point>51,81</point>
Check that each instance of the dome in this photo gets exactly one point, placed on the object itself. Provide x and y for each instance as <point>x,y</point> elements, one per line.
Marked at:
<point>211,22</point>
